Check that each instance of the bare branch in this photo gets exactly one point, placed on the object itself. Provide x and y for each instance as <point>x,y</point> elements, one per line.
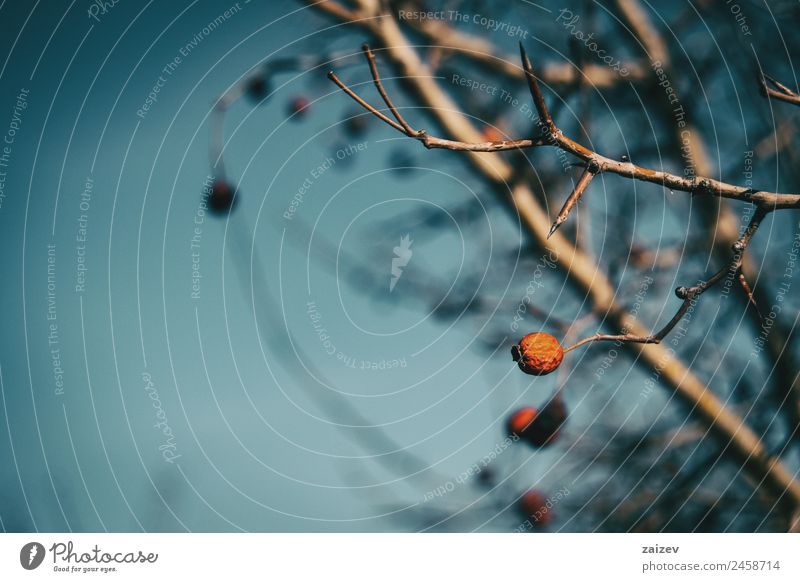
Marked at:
<point>403,127</point>
<point>332,76</point>
<point>690,294</point>
<point>778,90</point>
<point>740,440</point>
<point>373,68</point>
<point>553,136</point>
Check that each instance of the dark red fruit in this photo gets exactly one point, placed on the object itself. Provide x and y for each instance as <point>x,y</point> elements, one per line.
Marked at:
<point>533,506</point>
<point>538,427</point>
<point>520,420</point>
<point>257,88</point>
<point>222,197</point>
<point>356,124</point>
<point>298,107</point>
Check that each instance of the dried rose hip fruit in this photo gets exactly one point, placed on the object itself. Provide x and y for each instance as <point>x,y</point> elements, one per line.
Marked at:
<point>538,353</point>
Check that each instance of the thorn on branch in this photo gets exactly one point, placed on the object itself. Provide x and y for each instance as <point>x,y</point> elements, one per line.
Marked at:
<point>749,293</point>
<point>536,92</point>
<point>573,198</point>
<point>778,90</point>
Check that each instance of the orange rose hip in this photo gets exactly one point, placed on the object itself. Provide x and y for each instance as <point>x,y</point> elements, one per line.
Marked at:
<point>538,353</point>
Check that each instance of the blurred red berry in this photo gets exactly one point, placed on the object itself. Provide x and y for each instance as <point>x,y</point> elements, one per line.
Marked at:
<point>533,507</point>
<point>257,88</point>
<point>222,197</point>
<point>538,353</point>
<point>520,420</point>
<point>356,124</point>
<point>538,427</point>
<point>298,107</point>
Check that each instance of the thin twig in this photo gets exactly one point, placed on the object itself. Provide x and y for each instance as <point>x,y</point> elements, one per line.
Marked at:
<point>689,294</point>
<point>373,68</point>
<point>552,136</point>
<point>403,126</point>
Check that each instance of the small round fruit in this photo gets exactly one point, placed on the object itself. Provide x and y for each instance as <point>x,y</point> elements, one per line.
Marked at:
<point>520,420</point>
<point>257,88</point>
<point>222,197</point>
<point>538,353</point>
<point>533,506</point>
<point>538,427</point>
<point>298,107</point>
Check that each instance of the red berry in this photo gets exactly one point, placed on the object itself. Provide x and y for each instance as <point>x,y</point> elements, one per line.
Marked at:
<point>533,506</point>
<point>222,197</point>
<point>538,353</point>
<point>520,420</point>
<point>298,107</point>
<point>538,427</point>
